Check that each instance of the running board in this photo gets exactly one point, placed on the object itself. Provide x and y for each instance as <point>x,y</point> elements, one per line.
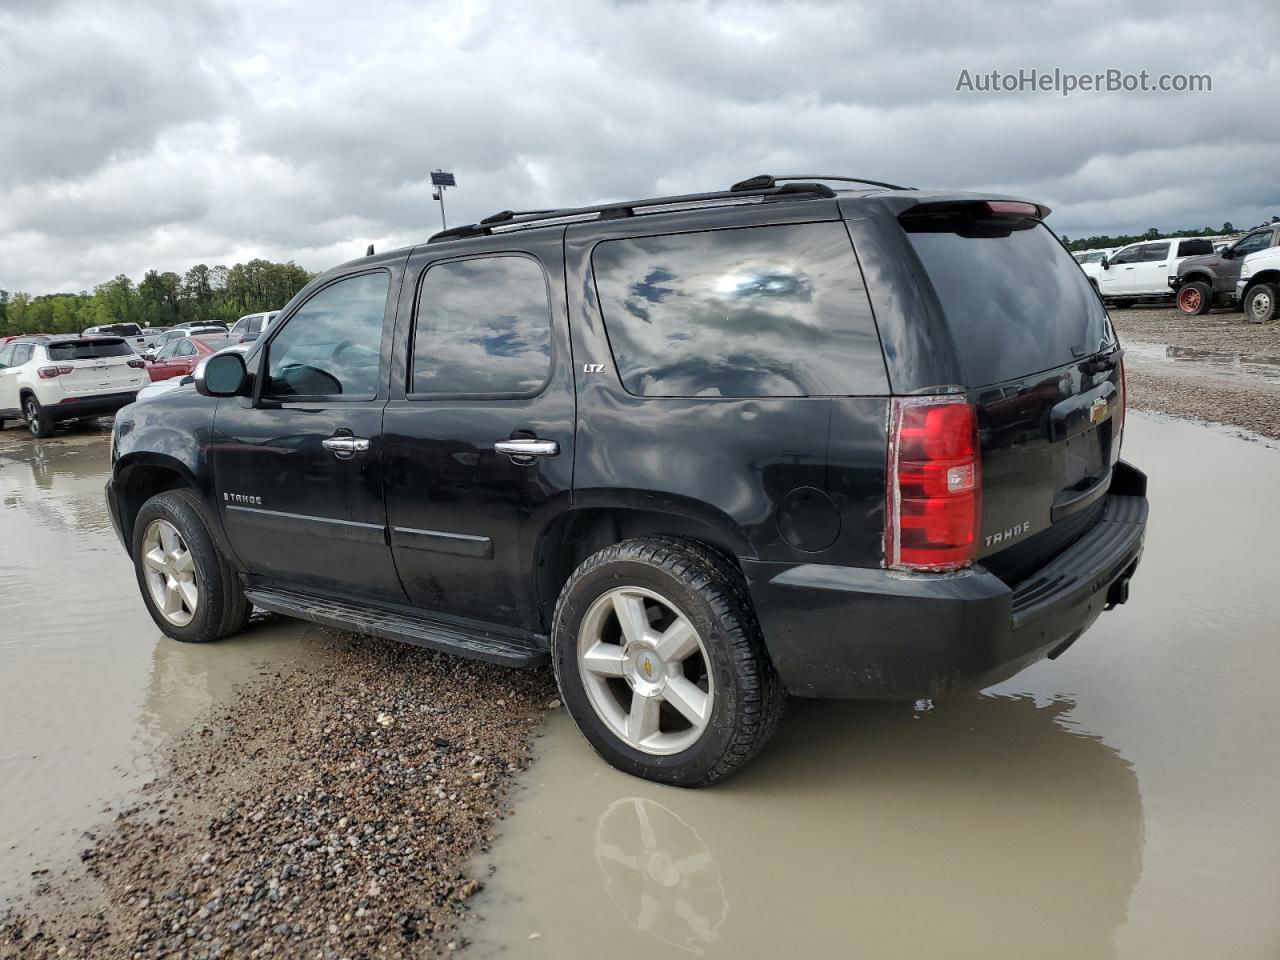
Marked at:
<point>507,649</point>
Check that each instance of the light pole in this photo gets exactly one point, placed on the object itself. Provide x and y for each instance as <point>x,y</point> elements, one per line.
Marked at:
<point>441,180</point>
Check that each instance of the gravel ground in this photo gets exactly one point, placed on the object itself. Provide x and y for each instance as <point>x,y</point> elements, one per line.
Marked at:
<point>1251,403</point>
<point>328,812</point>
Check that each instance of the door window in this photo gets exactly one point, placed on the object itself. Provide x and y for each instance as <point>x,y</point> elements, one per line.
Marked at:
<point>21,354</point>
<point>6,356</point>
<point>185,349</point>
<point>1154,252</point>
<point>1253,243</point>
<point>168,350</point>
<point>1127,255</point>
<point>331,346</point>
<point>483,327</point>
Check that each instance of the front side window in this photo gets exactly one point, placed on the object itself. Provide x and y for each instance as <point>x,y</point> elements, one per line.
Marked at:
<point>331,346</point>
<point>1127,255</point>
<point>168,350</point>
<point>771,311</point>
<point>483,327</point>
<point>1253,243</point>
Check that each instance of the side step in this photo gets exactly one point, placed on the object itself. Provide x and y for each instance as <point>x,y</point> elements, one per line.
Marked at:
<point>508,649</point>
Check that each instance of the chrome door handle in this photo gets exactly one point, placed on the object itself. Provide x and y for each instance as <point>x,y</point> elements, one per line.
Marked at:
<point>524,450</point>
<point>345,447</point>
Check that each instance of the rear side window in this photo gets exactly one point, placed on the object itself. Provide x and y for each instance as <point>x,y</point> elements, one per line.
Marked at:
<point>484,327</point>
<point>21,354</point>
<point>89,350</point>
<point>776,311</point>
<point>1015,303</point>
<point>1194,248</point>
<point>1153,252</point>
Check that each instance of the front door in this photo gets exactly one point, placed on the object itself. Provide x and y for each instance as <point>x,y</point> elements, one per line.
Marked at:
<point>297,466</point>
<point>479,430</point>
<point>1118,277</point>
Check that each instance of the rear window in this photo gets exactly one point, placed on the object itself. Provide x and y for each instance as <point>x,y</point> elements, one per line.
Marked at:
<point>1194,248</point>
<point>775,311</point>
<point>89,349</point>
<point>1016,303</point>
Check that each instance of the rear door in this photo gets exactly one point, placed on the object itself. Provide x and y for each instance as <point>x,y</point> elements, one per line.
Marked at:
<point>98,366</point>
<point>1038,354</point>
<point>297,467</point>
<point>1151,273</point>
<point>483,362</point>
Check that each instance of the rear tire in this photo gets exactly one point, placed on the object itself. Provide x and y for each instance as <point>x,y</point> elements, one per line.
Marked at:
<point>1262,303</point>
<point>190,590</point>
<point>1195,298</point>
<point>682,713</point>
<point>38,421</point>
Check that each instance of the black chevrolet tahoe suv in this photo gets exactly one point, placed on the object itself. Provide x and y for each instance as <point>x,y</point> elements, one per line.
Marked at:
<point>698,452</point>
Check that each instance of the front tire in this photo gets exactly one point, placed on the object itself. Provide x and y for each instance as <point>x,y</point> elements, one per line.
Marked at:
<point>661,662</point>
<point>38,421</point>
<point>1262,303</point>
<point>190,590</point>
<point>1195,298</point>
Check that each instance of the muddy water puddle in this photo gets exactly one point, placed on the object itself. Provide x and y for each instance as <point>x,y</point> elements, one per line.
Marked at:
<point>89,688</point>
<point>1119,802</point>
<point>1254,371</point>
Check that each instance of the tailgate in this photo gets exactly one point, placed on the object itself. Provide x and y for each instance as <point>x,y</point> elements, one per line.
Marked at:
<point>1042,365</point>
<point>91,367</point>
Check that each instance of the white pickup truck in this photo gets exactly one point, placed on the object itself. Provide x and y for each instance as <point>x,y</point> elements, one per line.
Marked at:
<point>1258,288</point>
<point>1141,271</point>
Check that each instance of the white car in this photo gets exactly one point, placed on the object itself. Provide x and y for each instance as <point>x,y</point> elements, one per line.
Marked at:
<point>253,325</point>
<point>1142,271</point>
<point>1091,262</point>
<point>1258,288</point>
<point>67,378</point>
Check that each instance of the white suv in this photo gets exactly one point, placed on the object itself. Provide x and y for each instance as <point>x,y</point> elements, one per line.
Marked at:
<point>1258,288</point>
<point>251,326</point>
<point>67,378</point>
<point>1141,271</point>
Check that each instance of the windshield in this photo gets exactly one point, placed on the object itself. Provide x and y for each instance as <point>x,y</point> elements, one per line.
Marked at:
<point>1016,304</point>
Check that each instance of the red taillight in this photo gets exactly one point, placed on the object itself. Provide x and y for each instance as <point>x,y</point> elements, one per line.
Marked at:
<point>48,373</point>
<point>1011,208</point>
<point>934,484</point>
<point>137,364</point>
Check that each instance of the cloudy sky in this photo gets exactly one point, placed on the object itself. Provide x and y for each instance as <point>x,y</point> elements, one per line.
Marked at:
<point>142,134</point>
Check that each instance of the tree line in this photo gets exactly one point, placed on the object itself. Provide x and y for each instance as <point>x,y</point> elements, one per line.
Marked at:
<point>159,299</point>
<point>1153,233</point>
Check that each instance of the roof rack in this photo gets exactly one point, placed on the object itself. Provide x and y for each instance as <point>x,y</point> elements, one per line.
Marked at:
<point>613,211</point>
<point>765,180</point>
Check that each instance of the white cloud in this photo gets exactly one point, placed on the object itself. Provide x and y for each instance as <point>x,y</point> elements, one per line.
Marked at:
<point>139,134</point>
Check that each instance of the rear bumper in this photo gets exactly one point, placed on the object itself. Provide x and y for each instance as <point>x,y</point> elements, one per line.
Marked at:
<point>96,406</point>
<point>850,632</point>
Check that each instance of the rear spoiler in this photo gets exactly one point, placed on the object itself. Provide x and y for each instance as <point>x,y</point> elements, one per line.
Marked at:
<point>85,341</point>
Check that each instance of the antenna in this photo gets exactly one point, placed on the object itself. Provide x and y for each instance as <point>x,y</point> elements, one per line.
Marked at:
<point>369,252</point>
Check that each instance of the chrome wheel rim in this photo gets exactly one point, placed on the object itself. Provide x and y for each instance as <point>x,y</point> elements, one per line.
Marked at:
<point>646,670</point>
<point>33,417</point>
<point>170,572</point>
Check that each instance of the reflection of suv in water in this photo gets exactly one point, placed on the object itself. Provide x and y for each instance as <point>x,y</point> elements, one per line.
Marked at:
<point>697,451</point>
<point>1208,281</point>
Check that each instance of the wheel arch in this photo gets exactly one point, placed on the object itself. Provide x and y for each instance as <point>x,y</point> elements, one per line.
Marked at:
<point>139,477</point>
<point>1265,276</point>
<point>586,528</point>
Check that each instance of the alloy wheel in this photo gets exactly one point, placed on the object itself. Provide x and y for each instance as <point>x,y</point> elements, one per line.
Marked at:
<point>33,418</point>
<point>646,670</point>
<point>170,572</point>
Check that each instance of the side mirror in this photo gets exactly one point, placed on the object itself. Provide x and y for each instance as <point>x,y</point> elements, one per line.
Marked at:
<point>1227,253</point>
<point>221,375</point>
<point>149,357</point>
<point>1106,264</point>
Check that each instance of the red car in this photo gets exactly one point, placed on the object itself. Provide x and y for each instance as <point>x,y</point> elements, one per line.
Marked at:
<point>178,358</point>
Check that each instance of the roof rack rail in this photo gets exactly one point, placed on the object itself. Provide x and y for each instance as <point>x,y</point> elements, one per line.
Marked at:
<point>613,211</point>
<point>765,180</point>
